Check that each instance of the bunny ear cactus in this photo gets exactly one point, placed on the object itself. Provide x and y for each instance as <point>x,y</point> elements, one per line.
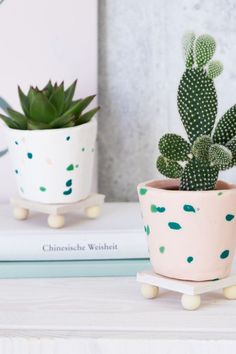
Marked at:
<point>197,162</point>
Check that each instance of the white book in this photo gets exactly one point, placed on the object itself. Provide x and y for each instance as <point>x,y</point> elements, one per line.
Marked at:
<point>117,234</point>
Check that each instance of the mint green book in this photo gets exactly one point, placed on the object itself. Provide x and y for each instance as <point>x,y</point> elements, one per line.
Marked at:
<point>62,269</point>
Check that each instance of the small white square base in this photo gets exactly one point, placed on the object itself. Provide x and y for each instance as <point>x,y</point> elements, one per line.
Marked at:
<point>91,206</point>
<point>190,289</point>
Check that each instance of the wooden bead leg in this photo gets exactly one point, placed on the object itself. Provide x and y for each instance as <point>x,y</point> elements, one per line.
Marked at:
<point>149,291</point>
<point>93,212</point>
<point>230,292</point>
<point>20,213</point>
<point>190,302</point>
<point>56,221</point>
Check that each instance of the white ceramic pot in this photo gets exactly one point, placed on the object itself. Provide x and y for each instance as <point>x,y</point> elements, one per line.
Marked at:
<point>53,166</point>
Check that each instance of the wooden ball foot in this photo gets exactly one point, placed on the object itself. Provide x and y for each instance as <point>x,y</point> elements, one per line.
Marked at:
<point>93,212</point>
<point>56,221</point>
<point>190,302</point>
<point>20,213</point>
<point>149,291</point>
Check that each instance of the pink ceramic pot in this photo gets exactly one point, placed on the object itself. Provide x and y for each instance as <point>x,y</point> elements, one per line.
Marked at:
<point>191,235</point>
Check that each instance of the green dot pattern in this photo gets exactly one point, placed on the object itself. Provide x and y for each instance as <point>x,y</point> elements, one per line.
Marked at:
<point>189,208</point>
<point>224,254</point>
<point>190,259</point>
<point>229,217</point>
<point>30,155</point>
<point>42,189</point>
<point>69,183</point>
<point>70,167</point>
<point>143,191</point>
<point>156,209</point>
<point>147,230</point>
<point>68,192</point>
<point>174,225</point>
<point>162,249</point>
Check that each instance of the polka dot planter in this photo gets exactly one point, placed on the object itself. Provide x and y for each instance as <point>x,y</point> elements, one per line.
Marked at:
<point>191,235</point>
<point>53,166</point>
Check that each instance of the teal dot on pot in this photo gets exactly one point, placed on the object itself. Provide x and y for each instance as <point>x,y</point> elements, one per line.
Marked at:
<point>220,193</point>
<point>16,142</point>
<point>70,167</point>
<point>189,208</point>
<point>190,259</point>
<point>147,230</point>
<point>229,217</point>
<point>68,192</point>
<point>92,149</point>
<point>156,209</point>
<point>22,189</point>
<point>174,226</point>
<point>16,172</point>
<point>224,254</point>
<point>68,138</point>
<point>143,191</point>
<point>83,149</point>
<point>162,249</point>
<point>69,183</point>
<point>42,189</point>
<point>30,155</point>
<point>77,166</point>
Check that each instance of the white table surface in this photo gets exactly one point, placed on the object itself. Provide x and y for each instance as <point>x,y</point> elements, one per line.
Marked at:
<point>109,315</point>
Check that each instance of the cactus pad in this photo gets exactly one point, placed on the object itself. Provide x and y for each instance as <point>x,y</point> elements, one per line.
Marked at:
<point>188,45</point>
<point>226,127</point>
<point>215,68</point>
<point>198,176</point>
<point>197,103</point>
<point>219,155</point>
<point>201,146</point>
<point>204,49</point>
<point>169,168</point>
<point>174,147</point>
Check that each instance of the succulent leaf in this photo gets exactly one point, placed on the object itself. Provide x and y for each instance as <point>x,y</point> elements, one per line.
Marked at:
<point>188,45</point>
<point>198,176</point>
<point>219,155</point>
<point>201,146</point>
<point>215,68</point>
<point>57,99</point>
<point>86,117</point>
<point>169,168</point>
<point>226,127</point>
<point>18,118</point>
<point>33,125</point>
<point>42,110</point>
<point>61,121</point>
<point>24,101</point>
<point>204,49</point>
<point>174,147</point>
<point>9,122</point>
<point>69,93</point>
<point>197,103</point>
<point>79,106</point>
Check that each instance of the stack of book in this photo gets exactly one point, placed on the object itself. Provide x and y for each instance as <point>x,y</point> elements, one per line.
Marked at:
<point>112,245</point>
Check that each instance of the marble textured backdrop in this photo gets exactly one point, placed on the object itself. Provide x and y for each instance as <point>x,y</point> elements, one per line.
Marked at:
<point>140,64</point>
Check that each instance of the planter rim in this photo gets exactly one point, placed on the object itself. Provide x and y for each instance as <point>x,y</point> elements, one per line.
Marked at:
<point>41,131</point>
<point>165,185</point>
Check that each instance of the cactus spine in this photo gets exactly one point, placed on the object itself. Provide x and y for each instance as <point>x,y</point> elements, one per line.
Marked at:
<point>197,162</point>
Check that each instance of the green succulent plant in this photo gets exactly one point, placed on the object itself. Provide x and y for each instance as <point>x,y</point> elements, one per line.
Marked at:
<point>52,107</point>
<point>210,147</point>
